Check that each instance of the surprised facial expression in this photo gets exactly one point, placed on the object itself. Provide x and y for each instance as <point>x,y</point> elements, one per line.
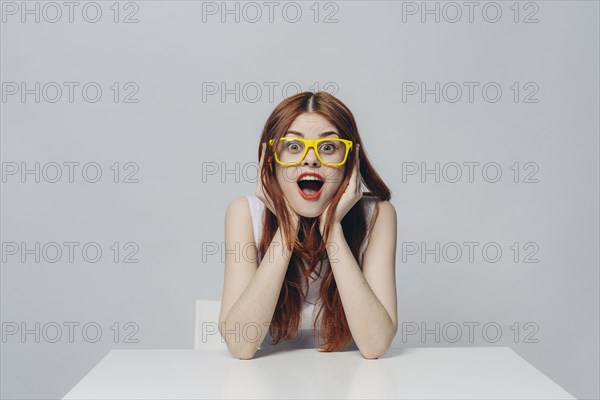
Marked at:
<point>310,185</point>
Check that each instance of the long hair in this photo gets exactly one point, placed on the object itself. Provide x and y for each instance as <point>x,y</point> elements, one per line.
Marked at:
<point>309,247</point>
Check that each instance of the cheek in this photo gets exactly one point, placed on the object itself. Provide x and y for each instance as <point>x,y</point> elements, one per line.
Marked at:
<point>285,178</point>
<point>335,179</point>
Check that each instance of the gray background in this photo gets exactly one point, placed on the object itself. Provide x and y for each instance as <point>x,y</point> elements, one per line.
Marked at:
<point>173,214</point>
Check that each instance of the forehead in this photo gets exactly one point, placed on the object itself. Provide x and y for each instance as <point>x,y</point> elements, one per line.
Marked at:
<point>311,124</point>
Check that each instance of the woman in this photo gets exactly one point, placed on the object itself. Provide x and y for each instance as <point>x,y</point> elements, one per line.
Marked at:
<point>317,241</point>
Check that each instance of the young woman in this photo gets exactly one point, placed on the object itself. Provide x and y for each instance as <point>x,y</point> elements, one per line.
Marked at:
<point>317,242</point>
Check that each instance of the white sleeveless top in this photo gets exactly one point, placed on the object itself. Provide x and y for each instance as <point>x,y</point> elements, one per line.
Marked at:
<point>308,308</point>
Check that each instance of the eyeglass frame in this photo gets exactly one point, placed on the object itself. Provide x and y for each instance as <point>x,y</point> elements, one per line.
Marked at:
<point>312,143</point>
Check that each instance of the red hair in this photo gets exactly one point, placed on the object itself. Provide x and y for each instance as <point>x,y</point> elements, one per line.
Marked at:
<point>309,246</point>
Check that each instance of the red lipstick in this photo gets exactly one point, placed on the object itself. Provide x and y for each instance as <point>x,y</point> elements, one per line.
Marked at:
<point>314,177</point>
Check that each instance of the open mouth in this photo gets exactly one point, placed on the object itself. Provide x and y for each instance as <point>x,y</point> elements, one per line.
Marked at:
<point>310,185</point>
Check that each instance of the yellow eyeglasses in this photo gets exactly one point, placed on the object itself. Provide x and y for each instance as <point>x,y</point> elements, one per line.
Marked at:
<point>332,152</point>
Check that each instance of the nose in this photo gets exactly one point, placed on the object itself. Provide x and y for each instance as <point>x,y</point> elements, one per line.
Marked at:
<point>311,158</point>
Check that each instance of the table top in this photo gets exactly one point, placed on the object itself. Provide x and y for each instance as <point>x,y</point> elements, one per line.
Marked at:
<point>433,372</point>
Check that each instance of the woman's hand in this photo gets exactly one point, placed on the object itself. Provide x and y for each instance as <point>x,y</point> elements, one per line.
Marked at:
<point>351,196</point>
<point>264,197</point>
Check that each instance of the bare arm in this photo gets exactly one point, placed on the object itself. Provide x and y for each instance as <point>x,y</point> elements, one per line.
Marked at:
<point>250,293</point>
<point>369,296</point>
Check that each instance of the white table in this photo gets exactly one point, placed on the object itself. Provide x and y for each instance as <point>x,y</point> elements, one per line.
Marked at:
<point>441,372</point>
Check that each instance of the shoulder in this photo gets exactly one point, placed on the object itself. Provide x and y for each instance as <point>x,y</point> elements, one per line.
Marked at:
<point>238,222</point>
<point>368,201</point>
<point>386,209</point>
<point>238,208</point>
<point>386,212</point>
<point>386,224</point>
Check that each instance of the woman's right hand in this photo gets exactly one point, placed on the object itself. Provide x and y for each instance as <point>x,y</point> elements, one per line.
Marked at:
<point>264,197</point>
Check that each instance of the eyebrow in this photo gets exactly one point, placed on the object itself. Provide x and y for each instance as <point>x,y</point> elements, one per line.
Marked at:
<point>320,134</point>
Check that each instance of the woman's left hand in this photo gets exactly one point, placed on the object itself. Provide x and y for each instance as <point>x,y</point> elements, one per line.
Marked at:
<point>351,196</point>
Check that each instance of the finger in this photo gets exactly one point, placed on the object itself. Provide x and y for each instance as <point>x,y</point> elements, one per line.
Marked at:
<point>260,163</point>
<point>352,182</point>
<point>323,216</point>
<point>357,167</point>
<point>262,155</point>
<point>261,189</point>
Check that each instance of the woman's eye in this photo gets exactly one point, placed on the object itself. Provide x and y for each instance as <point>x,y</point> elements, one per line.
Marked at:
<point>294,146</point>
<point>328,147</point>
